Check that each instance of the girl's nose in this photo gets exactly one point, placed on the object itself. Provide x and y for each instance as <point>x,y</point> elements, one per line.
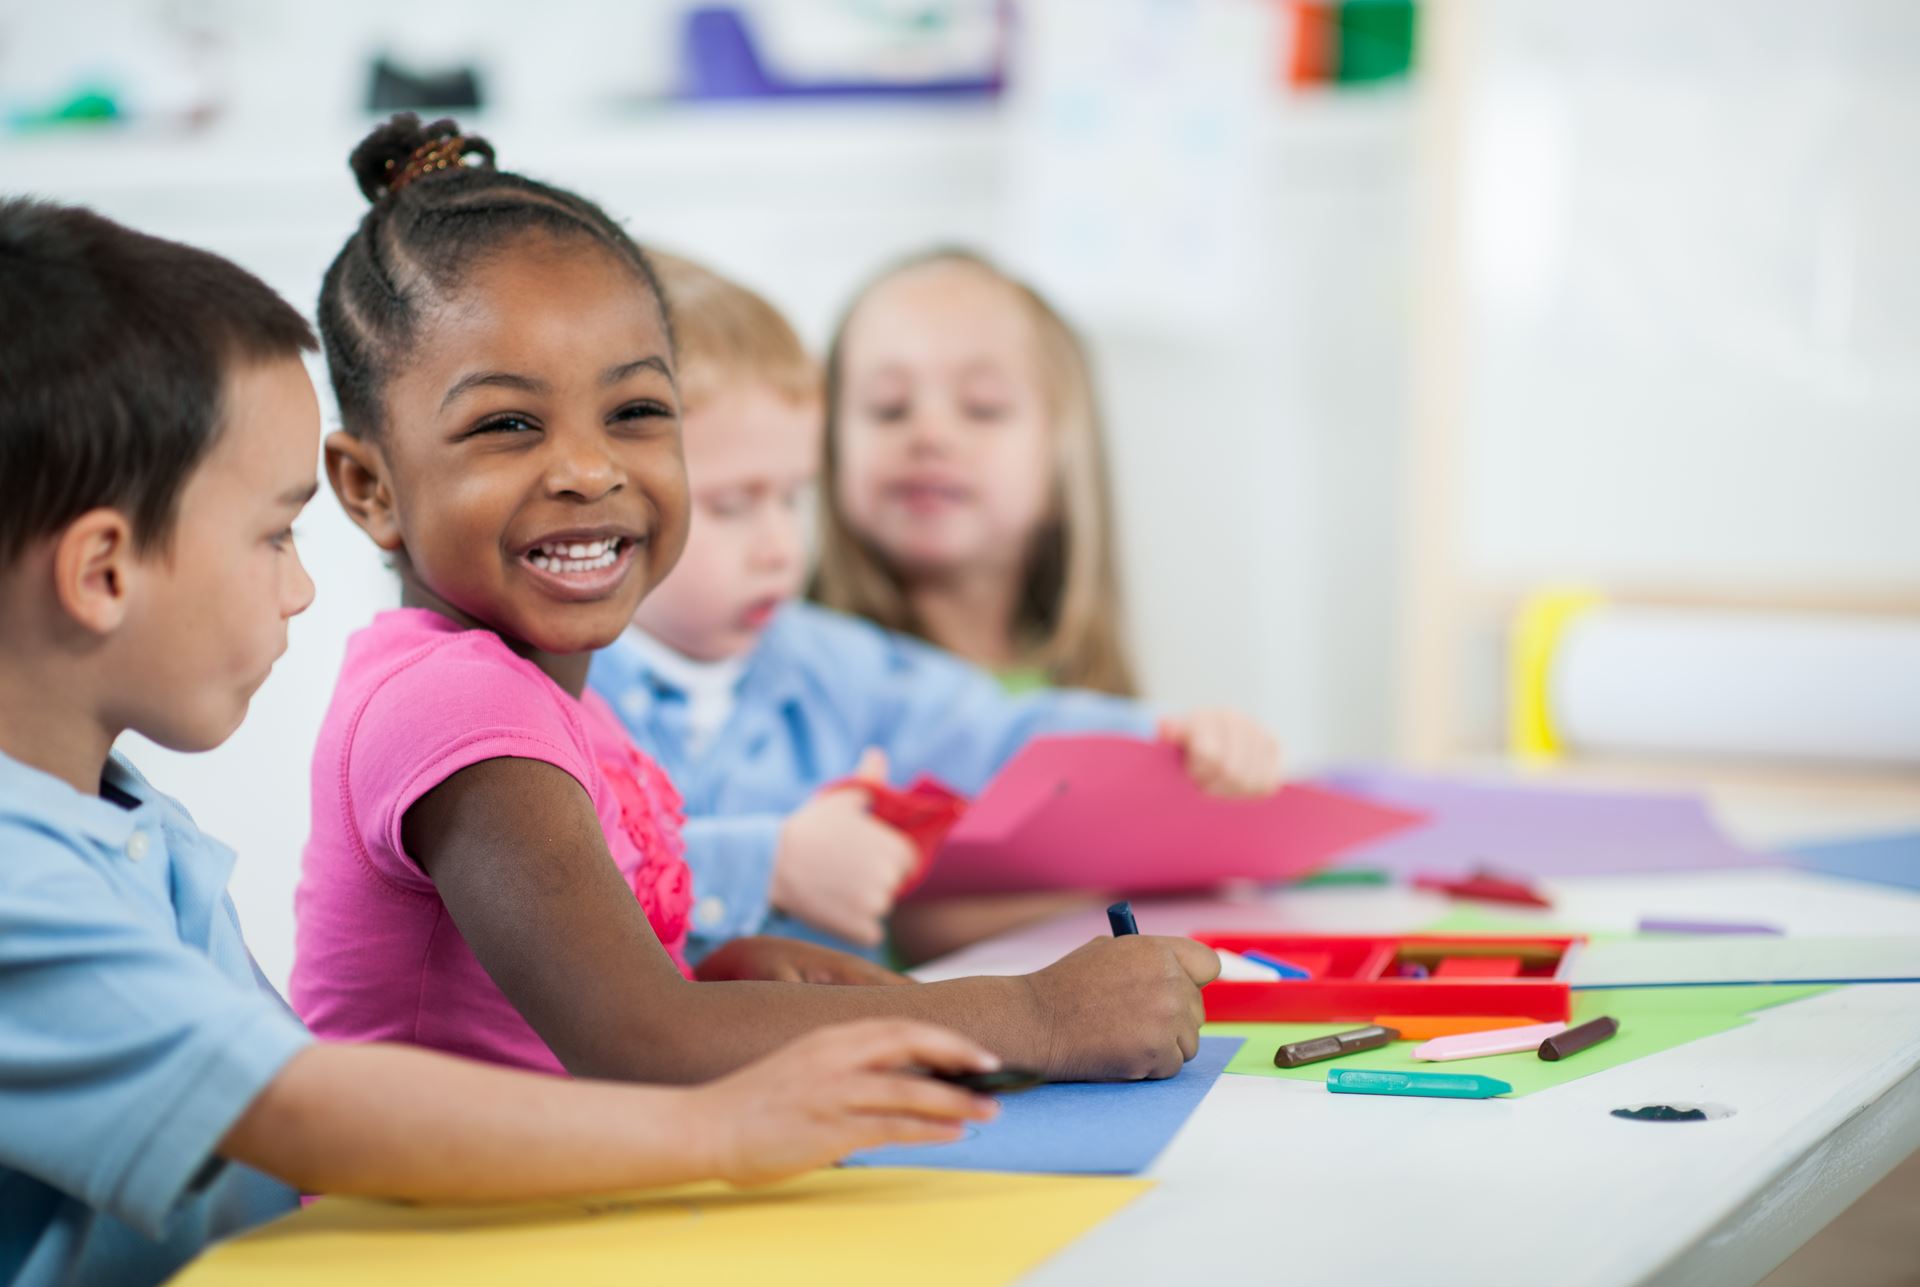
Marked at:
<point>930,433</point>
<point>581,466</point>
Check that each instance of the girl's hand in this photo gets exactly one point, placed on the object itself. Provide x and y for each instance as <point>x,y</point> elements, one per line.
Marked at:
<point>1122,1009</point>
<point>789,960</point>
<point>1227,753</point>
<point>837,1091</point>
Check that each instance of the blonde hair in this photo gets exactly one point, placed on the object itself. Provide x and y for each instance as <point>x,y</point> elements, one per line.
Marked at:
<point>726,335</point>
<point>1067,619</point>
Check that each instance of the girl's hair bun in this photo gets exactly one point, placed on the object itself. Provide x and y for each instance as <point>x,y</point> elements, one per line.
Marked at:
<point>388,157</point>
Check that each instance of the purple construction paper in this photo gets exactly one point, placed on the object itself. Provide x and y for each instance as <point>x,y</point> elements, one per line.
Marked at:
<point>1652,925</point>
<point>1538,831</point>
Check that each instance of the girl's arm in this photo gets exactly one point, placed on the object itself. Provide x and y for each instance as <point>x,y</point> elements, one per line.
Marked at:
<point>396,1122</point>
<point>517,854</point>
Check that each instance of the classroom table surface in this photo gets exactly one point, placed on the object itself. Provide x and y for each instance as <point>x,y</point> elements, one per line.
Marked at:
<point>1279,1181</point>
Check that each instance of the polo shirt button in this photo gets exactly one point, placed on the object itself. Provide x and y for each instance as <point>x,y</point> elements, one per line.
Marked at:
<point>137,845</point>
<point>710,912</point>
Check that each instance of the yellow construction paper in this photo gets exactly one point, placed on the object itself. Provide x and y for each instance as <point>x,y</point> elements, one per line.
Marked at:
<point>857,1227</point>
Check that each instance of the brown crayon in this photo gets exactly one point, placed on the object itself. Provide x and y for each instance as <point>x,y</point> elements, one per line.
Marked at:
<point>1574,1040</point>
<point>1333,1045</point>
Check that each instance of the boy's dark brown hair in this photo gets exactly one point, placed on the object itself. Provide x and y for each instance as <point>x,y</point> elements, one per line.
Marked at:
<point>114,352</point>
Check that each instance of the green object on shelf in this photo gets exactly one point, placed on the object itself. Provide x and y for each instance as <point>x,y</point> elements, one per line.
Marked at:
<point>1376,40</point>
<point>84,107</point>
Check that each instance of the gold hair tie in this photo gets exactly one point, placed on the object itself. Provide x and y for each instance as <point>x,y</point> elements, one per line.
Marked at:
<point>439,154</point>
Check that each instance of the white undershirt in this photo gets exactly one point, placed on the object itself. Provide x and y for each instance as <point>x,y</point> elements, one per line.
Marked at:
<point>711,687</point>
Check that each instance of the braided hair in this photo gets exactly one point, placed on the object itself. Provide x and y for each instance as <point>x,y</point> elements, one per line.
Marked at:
<point>439,204</point>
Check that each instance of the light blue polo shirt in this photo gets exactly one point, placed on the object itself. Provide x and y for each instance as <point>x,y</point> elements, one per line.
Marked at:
<point>134,1031</point>
<point>821,687</point>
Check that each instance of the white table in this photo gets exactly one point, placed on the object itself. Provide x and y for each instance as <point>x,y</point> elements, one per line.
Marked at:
<point>1279,1181</point>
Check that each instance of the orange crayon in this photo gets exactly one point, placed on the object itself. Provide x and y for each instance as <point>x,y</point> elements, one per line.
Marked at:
<point>1425,1027</point>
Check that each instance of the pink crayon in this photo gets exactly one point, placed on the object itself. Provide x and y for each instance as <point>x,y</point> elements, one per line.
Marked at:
<point>1477,1045</point>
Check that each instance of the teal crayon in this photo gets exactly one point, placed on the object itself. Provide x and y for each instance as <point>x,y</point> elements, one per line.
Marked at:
<point>1366,1081</point>
<point>1343,876</point>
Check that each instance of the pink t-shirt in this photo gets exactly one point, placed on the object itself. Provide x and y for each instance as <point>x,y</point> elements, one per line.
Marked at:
<point>377,957</point>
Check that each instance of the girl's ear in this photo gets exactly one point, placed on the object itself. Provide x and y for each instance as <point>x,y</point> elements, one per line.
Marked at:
<point>358,471</point>
<point>94,569</point>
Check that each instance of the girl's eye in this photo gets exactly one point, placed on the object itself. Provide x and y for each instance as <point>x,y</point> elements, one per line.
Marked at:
<point>727,506</point>
<point>502,424</point>
<point>282,540</point>
<point>888,413</point>
<point>645,410</point>
<point>985,411</point>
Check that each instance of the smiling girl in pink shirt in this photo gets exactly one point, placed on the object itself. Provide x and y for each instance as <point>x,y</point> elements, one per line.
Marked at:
<point>493,868</point>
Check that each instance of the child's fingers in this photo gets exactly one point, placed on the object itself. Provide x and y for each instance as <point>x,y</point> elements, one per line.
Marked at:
<point>1263,756</point>
<point>865,931</point>
<point>1246,774</point>
<point>904,1043</point>
<point>876,1129</point>
<point>911,1095</point>
<point>1201,962</point>
<point>1205,762</point>
<point>1208,742</point>
<point>872,766</point>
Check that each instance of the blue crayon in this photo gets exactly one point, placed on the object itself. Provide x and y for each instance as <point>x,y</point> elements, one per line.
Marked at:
<point>1285,969</point>
<point>1120,917</point>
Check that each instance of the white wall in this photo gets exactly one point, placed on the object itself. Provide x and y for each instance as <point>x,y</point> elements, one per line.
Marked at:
<point>1694,293</point>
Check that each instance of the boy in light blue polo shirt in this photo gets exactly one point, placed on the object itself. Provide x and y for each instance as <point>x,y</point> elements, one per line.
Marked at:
<point>158,435</point>
<point>156,1051</point>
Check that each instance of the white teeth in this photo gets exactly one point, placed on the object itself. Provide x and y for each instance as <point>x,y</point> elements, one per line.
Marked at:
<point>575,556</point>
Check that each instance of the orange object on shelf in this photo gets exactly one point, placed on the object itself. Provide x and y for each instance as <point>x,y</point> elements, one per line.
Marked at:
<point>1313,57</point>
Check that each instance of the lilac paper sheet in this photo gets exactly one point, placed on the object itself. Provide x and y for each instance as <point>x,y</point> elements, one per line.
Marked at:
<point>1538,831</point>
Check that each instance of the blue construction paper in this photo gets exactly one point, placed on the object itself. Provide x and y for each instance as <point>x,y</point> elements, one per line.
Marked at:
<point>1080,1128</point>
<point>1884,860</point>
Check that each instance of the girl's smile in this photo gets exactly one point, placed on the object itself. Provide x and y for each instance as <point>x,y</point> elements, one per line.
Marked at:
<point>579,566</point>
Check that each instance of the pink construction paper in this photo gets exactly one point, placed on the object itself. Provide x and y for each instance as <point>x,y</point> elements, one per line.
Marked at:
<point>1118,813</point>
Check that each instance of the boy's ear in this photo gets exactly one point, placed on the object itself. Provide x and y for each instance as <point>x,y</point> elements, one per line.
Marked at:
<point>94,569</point>
<point>358,472</point>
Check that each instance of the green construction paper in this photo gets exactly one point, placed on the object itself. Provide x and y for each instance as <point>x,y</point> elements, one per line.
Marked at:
<point>1651,1020</point>
<point>1486,918</point>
